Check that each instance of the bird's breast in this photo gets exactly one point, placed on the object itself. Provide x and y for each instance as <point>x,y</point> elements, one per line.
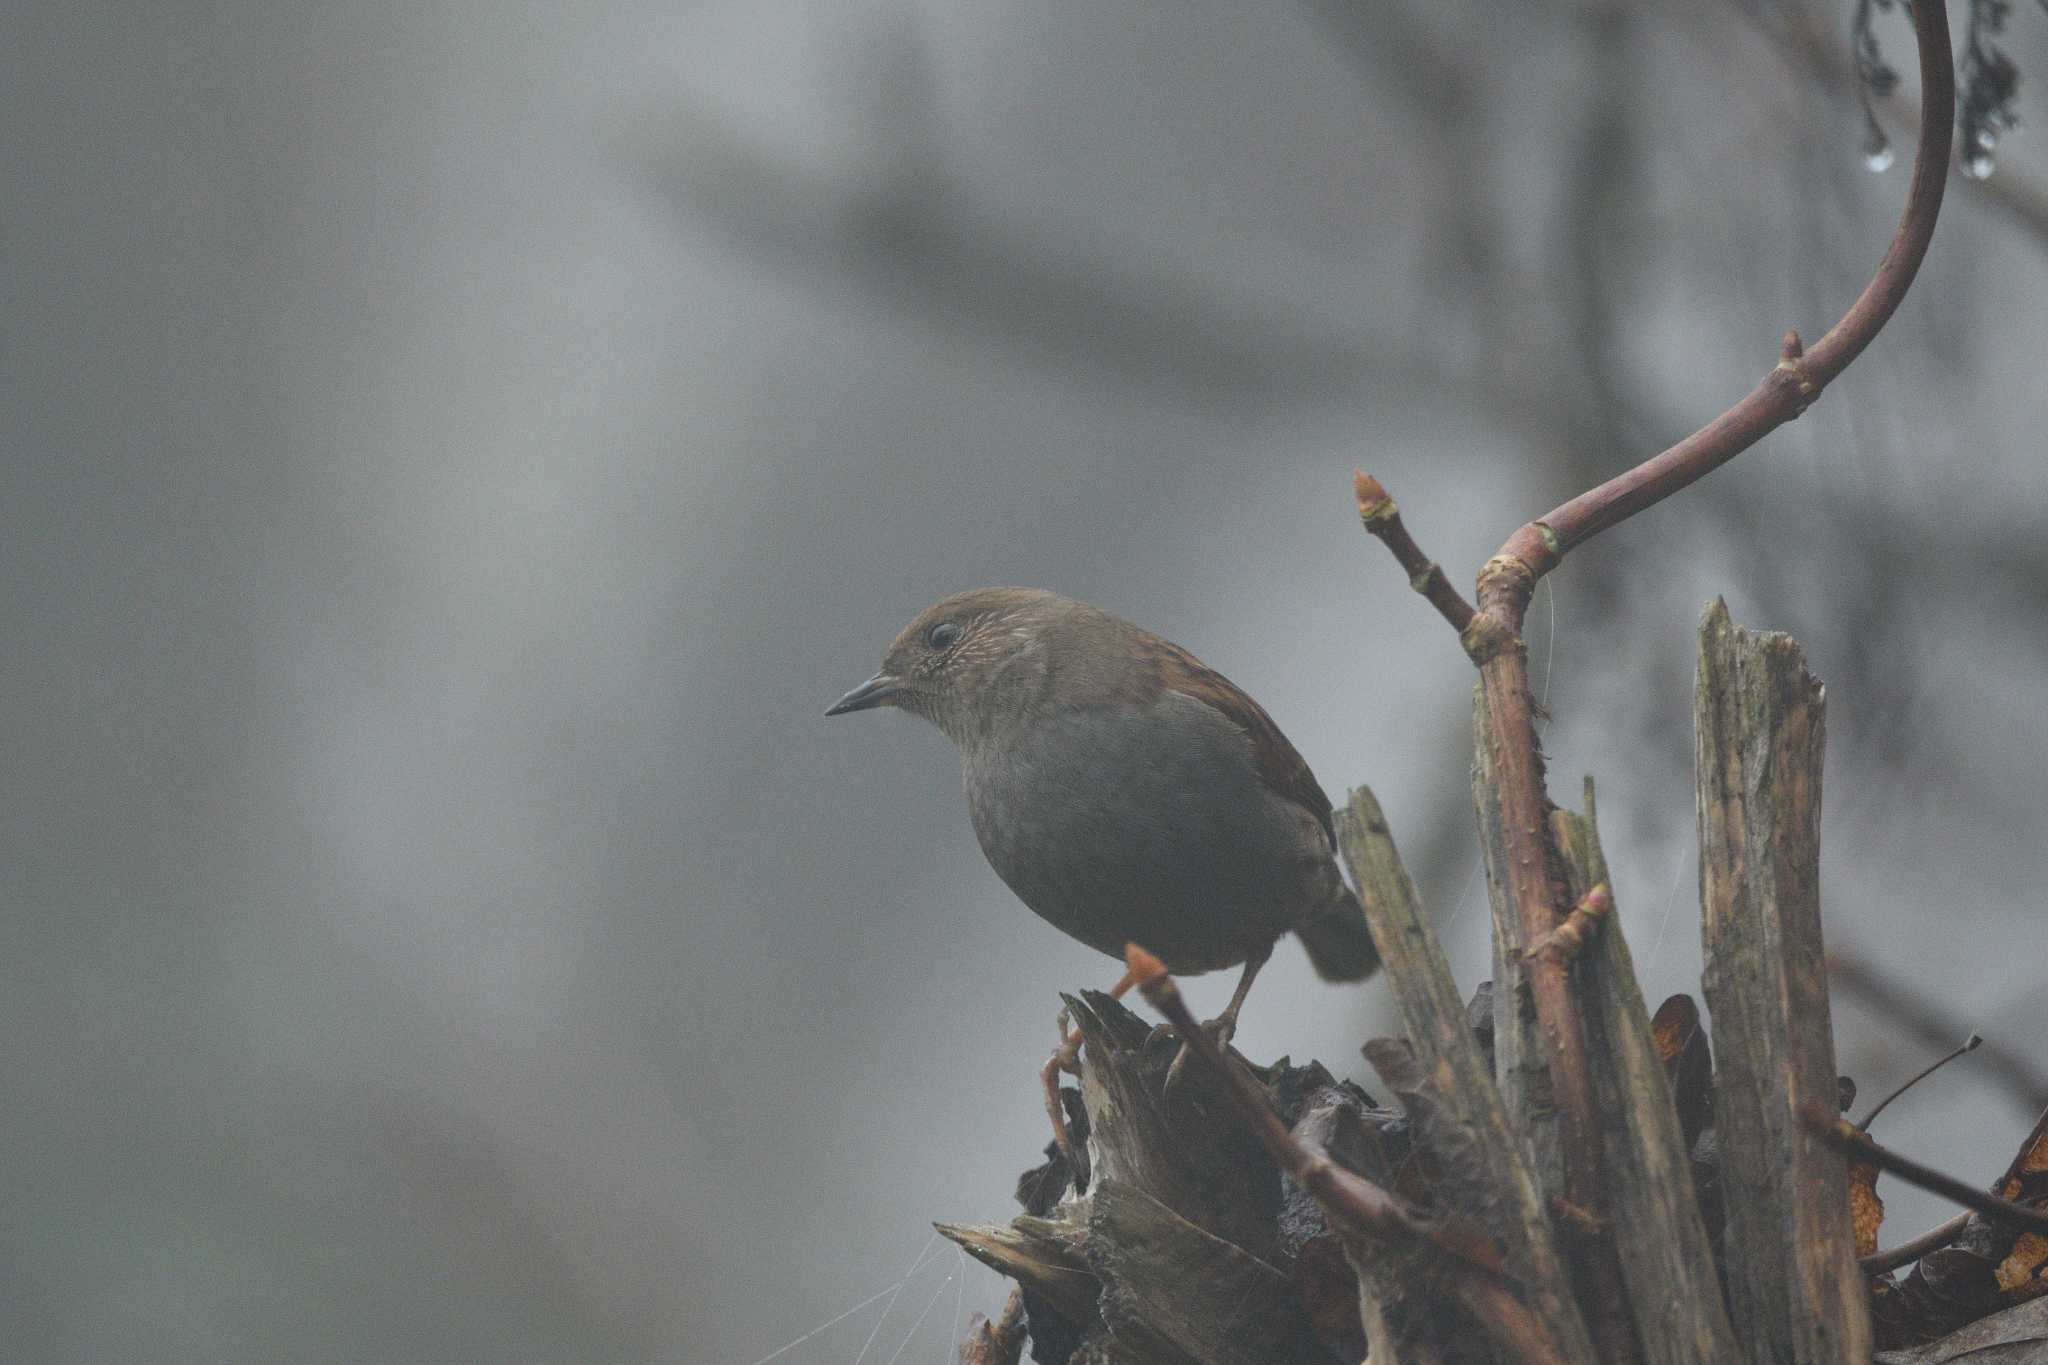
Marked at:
<point>1141,823</point>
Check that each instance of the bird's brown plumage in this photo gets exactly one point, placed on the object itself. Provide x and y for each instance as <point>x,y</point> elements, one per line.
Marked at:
<point>1125,790</point>
<point>1281,766</point>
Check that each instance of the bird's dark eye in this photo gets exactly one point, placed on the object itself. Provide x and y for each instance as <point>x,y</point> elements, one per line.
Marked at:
<point>943,635</point>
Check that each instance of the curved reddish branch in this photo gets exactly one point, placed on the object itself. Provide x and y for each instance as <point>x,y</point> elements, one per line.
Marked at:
<point>1799,377</point>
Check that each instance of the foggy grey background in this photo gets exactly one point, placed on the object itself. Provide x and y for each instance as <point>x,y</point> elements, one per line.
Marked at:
<point>454,452</point>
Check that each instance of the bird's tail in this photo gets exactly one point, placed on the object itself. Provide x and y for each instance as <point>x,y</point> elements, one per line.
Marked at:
<point>1338,943</point>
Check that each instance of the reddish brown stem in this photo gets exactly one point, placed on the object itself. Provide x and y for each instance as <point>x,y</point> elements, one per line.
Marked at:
<point>1382,516</point>
<point>1905,1253</point>
<point>1534,888</point>
<point>1355,1205</point>
<point>1533,885</point>
<point>1537,893</point>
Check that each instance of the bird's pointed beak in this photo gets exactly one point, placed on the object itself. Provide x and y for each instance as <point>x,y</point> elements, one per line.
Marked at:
<point>879,690</point>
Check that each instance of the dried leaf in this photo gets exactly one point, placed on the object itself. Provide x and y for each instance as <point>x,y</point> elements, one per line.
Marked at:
<point>2020,1274</point>
<point>1866,1209</point>
<point>2023,1274</point>
<point>2031,1161</point>
<point>1676,1020</point>
<point>1688,1061</point>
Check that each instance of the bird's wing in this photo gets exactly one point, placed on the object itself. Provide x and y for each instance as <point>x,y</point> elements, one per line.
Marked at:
<point>1280,766</point>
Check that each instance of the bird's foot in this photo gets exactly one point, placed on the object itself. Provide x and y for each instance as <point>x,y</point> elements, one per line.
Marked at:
<point>1066,1057</point>
<point>1049,1082</point>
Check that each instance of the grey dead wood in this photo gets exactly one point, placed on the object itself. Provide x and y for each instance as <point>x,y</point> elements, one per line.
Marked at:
<point>1184,1247</point>
<point>1795,1290</point>
<point>1667,1259</point>
<point>1518,1060</point>
<point>1171,1291</point>
<point>1042,1254</point>
<point>1444,1080</point>
<point>1186,1152</point>
<point>1409,1283</point>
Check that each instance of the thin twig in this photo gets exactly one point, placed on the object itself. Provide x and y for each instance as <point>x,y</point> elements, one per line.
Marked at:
<point>1355,1205</point>
<point>1921,1018</point>
<point>1840,1133</point>
<point>1382,516</point>
<point>1905,1253</point>
<point>1970,1044</point>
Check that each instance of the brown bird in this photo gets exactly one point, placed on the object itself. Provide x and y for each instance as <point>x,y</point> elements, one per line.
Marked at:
<point>1125,791</point>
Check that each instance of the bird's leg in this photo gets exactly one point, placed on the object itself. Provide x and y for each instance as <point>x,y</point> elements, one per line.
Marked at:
<point>1224,1025</point>
<point>1228,1019</point>
<point>1067,1057</point>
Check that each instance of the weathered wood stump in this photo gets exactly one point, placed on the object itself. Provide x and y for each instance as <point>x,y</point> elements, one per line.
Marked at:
<point>1723,1231</point>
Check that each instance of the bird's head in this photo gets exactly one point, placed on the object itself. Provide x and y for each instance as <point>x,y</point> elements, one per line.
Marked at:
<point>967,661</point>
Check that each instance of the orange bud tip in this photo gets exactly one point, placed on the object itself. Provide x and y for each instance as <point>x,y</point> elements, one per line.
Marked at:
<point>1373,499</point>
<point>1792,348</point>
<point>1144,967</point>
